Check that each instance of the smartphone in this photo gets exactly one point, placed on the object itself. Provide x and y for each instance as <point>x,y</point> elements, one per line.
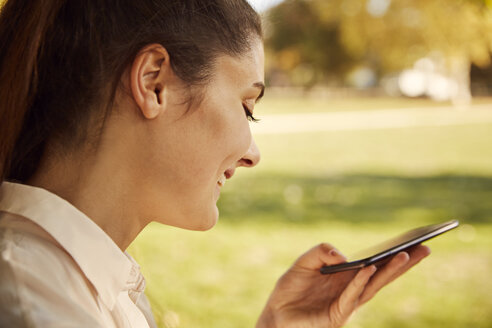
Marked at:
<point>383,252</point>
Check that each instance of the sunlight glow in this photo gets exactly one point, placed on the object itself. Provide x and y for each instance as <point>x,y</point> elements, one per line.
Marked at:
<point>263,5</point>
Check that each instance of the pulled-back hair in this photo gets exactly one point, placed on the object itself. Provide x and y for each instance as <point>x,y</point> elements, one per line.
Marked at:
<point>59,59</point>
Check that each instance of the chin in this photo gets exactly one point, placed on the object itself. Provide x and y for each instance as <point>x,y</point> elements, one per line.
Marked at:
<point>205,227</point>
<point>195,219</point>
<point>202,221</point>
<point>209,222</point>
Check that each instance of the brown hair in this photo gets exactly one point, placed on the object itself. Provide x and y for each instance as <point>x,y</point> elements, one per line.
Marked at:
<point>58,58</point>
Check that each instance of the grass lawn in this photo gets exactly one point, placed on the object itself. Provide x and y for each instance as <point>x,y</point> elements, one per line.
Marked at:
<point>222,278</point>
<point>349,188</point>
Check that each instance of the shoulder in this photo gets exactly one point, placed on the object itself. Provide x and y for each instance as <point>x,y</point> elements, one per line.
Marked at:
<point>40,284</point>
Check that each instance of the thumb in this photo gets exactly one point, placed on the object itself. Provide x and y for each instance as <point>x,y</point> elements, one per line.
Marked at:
<point>319,256</point>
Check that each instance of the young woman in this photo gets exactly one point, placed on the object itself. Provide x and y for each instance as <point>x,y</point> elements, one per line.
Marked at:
<point>118,113</point>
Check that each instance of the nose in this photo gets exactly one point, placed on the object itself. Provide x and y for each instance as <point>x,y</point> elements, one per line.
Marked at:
<point>252,156</point>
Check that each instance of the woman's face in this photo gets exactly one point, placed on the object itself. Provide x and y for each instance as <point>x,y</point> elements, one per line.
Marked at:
<point>194,150</point>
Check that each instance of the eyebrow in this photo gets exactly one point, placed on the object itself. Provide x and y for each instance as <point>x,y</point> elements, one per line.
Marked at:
<point>261,86</point>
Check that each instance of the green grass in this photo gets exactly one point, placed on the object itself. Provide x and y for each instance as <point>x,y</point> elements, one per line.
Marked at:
<point>349,188</point>
<point>371,199</point>
<point>464,149</point>
<point>222,278</point>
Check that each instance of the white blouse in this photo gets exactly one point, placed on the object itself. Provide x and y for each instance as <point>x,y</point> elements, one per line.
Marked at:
<point>59,269</point>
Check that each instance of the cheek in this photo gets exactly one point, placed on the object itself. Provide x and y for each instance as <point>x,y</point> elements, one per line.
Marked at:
<point>224,132</point>
<point>186,162</point>
<point>232,138</point>
<point>199,148</point>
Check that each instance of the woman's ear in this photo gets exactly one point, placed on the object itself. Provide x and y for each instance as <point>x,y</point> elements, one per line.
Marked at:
<point>149,77</point>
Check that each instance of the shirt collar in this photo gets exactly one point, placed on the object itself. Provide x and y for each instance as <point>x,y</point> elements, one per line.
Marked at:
<point>108,268</point>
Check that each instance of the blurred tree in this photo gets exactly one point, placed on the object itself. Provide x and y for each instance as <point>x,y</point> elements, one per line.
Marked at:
<point>398,33</point>
<point>306,42</point>
<point>333,36</point>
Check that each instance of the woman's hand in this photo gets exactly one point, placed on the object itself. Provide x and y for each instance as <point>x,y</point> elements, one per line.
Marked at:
<point>303,297</point>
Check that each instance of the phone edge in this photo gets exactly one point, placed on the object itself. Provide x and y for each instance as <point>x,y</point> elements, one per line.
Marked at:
<point>347,266</point>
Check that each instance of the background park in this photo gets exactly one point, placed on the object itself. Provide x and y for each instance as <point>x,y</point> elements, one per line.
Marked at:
<point>377,118</point>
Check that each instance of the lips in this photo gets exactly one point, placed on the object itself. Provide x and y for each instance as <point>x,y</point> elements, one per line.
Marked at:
<point>226,175</point>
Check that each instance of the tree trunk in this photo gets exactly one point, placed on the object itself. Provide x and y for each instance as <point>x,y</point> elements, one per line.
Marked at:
<point>460,74</point>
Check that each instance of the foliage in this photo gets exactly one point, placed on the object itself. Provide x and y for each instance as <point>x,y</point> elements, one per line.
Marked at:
<point>305,42</point>
<point>333,37</point>
<point>412,29</point>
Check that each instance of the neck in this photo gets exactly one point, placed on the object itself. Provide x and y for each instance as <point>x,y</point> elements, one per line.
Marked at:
<point>100,188</point>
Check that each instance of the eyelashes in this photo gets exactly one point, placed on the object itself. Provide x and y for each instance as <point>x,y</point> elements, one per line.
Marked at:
<point>249,115</point>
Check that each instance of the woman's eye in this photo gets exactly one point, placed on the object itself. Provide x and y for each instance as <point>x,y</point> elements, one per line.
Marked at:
<point>249,114</point>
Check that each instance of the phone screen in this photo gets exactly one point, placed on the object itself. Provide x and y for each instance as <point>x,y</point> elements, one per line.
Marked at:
<point>383,251</point>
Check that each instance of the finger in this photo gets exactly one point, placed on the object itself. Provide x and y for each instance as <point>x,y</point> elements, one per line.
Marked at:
<point>384,276</point>
<point>318,256</point>
<point>401,263</point>
<point>416,254</point>
<point>397,266</point>
<point>349,299</point>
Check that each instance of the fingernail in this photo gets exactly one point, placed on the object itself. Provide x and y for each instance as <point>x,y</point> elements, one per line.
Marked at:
<point>335,252</point>
<point>405,257</point>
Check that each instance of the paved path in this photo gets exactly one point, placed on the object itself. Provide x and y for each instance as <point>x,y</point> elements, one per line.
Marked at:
<point>371,120</point>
